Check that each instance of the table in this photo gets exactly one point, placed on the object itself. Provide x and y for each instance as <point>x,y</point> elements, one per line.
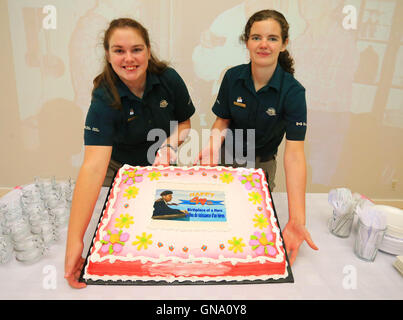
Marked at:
<point>333,272</point>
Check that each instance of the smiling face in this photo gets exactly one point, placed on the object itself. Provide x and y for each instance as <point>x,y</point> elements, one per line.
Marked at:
<point>265,43</point>
<point>128,55</point>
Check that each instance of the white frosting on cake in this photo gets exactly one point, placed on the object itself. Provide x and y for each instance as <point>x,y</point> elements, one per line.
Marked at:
<point>187,242</point>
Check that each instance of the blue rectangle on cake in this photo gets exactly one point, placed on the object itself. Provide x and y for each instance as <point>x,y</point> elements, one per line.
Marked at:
<point>199,206</point>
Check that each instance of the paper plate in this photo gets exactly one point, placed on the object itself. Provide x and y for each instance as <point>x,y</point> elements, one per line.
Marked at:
<point>392,245</point>
<point>394,231</point>
<point>394,215</point>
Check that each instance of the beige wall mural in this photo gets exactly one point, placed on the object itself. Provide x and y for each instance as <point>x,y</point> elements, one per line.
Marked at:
<point>348,55</point>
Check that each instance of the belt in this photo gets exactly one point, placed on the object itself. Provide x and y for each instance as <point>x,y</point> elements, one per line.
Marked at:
<point>266,158</point>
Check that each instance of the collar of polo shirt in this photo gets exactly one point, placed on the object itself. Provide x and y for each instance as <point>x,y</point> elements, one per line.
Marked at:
<point>151,80</point>
<point>275,81</point>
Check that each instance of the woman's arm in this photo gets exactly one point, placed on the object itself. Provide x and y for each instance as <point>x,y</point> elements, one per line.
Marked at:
<point>295,173</point>
<point>86,192</point>
<point>210,154</point>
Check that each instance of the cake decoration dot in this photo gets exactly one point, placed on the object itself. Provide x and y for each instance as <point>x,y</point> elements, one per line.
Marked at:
<point>204,247</point>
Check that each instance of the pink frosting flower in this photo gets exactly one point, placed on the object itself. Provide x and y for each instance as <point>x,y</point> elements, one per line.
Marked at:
<point>262,244</point>
<point>250,181</point>
<point>114,241</point>
<point>132,176</point>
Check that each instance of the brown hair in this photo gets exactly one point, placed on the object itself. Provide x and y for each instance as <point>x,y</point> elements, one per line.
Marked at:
<point>108,77</point>
<point>285,59</point>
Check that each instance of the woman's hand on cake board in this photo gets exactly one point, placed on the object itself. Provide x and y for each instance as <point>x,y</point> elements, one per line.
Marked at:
<point>73,265</point>
<point>294,235</point>
<point>88,185</point>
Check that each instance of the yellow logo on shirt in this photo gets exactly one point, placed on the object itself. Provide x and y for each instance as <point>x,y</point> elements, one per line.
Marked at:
<point>271,111</point>
<point>163,103</point>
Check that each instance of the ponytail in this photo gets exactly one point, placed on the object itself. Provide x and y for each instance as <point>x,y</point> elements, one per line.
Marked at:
<point>286,62</point>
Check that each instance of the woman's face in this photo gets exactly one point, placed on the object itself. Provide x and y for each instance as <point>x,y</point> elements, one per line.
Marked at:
<point>128,55</point>
<point>265,43</point>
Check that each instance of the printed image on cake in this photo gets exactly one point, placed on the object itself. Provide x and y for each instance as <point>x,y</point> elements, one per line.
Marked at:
<point>187,225</point>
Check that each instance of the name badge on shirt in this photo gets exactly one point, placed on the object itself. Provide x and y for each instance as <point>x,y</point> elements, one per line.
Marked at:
<point>131,118</point>
<point>239,103</point>
<point>131,113</point>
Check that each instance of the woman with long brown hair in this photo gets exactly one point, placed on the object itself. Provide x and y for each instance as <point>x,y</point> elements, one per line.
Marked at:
<point>134,94</point>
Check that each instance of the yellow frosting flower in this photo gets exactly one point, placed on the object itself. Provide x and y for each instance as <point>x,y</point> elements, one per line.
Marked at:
<point>236,245</point>
<point>124,222</point>
<point>261,221</point>
<point>143,241</point>
<point>131,192</point>
<point>154,175</point>
<point>226,177</point>
<point>255,197</point>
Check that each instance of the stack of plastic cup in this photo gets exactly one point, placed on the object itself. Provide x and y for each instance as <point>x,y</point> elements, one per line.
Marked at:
<point>6,245</point>
<point>30,225</point>
<point>6,249</point>
<point>16,226</point>
<point>45,224</point>
<point>30,249</point>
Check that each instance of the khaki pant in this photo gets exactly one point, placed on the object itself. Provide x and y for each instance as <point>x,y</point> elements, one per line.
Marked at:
<point>269,166</point>
<point>110,173</point>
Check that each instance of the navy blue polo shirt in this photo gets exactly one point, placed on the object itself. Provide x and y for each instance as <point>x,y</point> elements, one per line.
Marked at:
<point>277,109</point>
<point>165,99</point>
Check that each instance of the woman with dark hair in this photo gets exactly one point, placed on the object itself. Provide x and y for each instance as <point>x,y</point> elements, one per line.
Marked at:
<point>264,96</point>
<point>134,94</point>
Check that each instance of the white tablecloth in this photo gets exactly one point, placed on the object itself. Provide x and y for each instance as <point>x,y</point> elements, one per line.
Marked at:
<point>333,272</point>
